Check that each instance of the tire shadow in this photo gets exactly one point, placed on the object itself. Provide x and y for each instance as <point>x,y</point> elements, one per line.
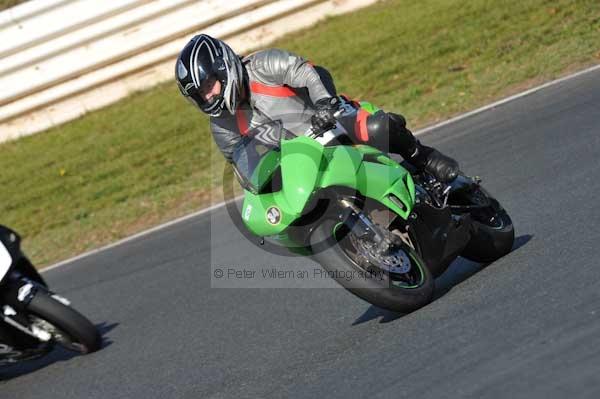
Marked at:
<point>57,354</point>
<point>460,270</point>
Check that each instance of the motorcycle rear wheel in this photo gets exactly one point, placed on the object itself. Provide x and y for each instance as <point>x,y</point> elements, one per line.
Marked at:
<point>491,238</point>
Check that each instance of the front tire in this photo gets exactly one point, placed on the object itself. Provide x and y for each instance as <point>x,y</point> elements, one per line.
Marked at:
<point>69,328</point>
<point>331,252</point>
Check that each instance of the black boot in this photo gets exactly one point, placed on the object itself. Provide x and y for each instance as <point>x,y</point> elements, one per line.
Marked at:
<point>388,133</point>
<point>442,167</point>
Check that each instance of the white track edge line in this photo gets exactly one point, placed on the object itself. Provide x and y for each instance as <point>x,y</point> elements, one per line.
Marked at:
<point>507,99</point>
<point>421,131</point>
<point>140,234</point>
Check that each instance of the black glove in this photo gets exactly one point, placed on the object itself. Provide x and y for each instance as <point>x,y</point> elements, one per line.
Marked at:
<point>442,167</point>
<point>324,119</point>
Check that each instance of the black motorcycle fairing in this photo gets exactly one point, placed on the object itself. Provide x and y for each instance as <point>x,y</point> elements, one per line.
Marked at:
<point>439,235</point>
<point>26,269</point>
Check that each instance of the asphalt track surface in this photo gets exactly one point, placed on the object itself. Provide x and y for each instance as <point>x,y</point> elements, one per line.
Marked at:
<point>525,326</point>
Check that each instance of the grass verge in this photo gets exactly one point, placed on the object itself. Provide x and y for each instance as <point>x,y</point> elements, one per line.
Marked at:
<point>4,4</point>
<point>150,157</point>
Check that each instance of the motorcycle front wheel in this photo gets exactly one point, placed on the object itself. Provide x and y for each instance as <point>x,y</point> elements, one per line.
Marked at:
<point>68,327</point>
<point>403,287</point>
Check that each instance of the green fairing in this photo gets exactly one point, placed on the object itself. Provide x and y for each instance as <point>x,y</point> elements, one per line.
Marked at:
<point>374,180</point>
<point>266,167</point>
<point>307,166</point>
<point>301,158</point>
<point>367,106</point>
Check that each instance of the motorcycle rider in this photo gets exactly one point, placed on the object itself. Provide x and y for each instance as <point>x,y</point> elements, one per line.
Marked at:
<point>240,93</point>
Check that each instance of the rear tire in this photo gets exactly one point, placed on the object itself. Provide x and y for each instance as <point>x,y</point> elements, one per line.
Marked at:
<point>76,333</point>
<point>379,290</point>
<point>490,241</point>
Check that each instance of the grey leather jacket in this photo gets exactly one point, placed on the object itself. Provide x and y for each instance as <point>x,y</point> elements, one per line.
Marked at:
<point>282,86</point>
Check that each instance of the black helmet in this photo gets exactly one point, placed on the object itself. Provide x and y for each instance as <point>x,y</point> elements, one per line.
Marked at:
<point>202,61</point>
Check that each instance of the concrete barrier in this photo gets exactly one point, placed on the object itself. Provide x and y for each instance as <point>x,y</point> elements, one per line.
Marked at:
<point>28,10</point>
<point>104,54</point>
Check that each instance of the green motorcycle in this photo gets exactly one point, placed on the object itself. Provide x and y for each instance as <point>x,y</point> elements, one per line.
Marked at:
<point>380,229</point>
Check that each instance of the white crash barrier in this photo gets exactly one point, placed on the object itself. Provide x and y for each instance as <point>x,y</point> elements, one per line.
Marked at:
<point>27,10</point>
<point>112,48</point>
<point>168,51</point>
<point>68,17</point>
<point>95,31</point>
<point>91,62</point>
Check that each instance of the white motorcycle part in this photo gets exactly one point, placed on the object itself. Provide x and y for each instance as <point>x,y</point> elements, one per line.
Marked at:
<point>328,136</point>
<point>5,261</point>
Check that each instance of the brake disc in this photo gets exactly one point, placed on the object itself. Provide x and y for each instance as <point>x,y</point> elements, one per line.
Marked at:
<point>394,261</point>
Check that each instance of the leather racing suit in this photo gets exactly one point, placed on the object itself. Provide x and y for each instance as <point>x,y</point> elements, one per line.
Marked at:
<point>284,86</point>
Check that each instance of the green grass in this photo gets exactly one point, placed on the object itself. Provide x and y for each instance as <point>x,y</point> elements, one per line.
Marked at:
<point>150,158</point>
<point>10,3</point>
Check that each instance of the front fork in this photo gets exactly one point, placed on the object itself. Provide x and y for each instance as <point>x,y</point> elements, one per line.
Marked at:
<point>16,294</point>
<point>363,226</point>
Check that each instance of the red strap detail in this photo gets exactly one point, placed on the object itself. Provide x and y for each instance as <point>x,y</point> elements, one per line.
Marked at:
<point>360,125</point>
<point>242,122</point>
<point>275,91</point>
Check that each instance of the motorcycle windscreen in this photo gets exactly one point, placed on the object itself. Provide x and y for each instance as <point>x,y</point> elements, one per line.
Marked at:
<point>257,155</point>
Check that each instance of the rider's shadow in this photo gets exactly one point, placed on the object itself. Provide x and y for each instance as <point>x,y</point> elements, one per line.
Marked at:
<point>57,354</point>
<point>460,270</point>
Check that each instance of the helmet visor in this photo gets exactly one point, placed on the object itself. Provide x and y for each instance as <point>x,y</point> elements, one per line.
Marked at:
<point>208,96</point>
